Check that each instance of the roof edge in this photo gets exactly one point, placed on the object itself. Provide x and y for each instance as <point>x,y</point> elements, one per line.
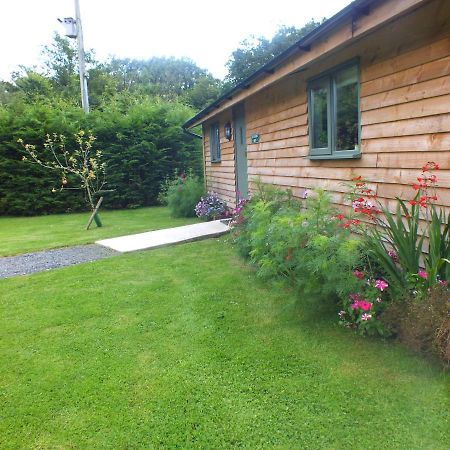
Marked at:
<point>305,42</point>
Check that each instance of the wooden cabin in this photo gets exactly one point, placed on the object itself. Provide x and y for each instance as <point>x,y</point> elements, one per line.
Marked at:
<point>366,93</point>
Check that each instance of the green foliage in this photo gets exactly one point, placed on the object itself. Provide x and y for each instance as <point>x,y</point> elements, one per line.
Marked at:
<point>257,51</point>
<point>305,246</point>
<point>137,108</point>
<point>437,260</point>
<point>401,235</point>
<point>183,194</point>
<point>142,143</point>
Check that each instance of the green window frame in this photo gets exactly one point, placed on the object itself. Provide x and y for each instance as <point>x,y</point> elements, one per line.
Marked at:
<point>214,142</point>
<point>334,113</point>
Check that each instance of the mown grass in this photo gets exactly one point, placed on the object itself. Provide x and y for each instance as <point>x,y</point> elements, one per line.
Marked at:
<point>28,234</point>
<point>183,347</point>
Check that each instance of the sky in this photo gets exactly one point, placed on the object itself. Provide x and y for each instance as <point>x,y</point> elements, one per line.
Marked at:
<point>205,31</point>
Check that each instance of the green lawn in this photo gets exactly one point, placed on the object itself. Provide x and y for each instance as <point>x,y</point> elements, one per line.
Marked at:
<point>182,347</point>
<point>28,234</point>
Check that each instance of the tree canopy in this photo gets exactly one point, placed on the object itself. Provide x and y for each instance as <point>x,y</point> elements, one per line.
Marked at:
<point>254,52</point>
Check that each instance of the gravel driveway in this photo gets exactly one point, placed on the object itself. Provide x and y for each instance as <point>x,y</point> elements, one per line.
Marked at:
<point>27,263</point>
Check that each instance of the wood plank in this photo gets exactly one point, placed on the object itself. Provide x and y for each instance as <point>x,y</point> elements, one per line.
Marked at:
<point>420,108</point>
<point>401,62</point>
<point>423,125</point>
<point>382,13</point>
<point>283,143</point>
<point>276,98</point>
<point>424,72</point>
<point>269,118</point>
<point>219,169</point>
<point>281,125</point>
<point>418,143</point>
<point>226,177</point>
<point>427,89</point>
<point>254,153</point>
<point>365,161</point>
<point>414,160</point>
<point>285,134</point>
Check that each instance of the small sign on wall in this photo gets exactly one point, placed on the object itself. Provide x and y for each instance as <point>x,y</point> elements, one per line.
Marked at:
<point>255,138</point>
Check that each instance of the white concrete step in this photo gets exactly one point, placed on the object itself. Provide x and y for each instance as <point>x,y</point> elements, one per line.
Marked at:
<point>167,236</point>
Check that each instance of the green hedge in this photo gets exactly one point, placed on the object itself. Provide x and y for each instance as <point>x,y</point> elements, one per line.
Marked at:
<point>142,142</point>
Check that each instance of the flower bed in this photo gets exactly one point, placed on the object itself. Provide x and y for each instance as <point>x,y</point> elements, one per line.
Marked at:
<point>367,260</point>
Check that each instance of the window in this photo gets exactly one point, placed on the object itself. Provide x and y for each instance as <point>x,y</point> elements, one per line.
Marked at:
<point>334,114</point>
<point>214,142</point>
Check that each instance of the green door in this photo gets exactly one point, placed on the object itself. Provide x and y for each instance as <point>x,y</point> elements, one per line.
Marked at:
<point>240,149</point>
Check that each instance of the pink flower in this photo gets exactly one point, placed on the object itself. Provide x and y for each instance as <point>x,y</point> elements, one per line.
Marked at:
<point>381,285</point>
<point>366,316</point>
<point>443,283</point>
<point>358,274</point>
<point>365,305</point>
<point>422,274</point>
<point>354,298</point>
<point>355,305</point>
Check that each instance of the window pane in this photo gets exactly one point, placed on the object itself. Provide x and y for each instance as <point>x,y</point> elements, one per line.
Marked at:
<point>319,101</point>
<point>346,82</point>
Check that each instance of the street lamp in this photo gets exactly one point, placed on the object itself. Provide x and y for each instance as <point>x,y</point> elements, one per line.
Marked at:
<point>73,29</point>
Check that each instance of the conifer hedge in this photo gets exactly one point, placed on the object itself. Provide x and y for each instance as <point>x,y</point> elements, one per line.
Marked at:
<point>142,142</point>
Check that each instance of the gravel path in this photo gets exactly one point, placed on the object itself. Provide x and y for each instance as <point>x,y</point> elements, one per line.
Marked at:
<point>27,263</point>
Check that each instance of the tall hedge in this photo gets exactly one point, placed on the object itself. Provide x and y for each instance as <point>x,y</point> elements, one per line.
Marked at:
<point>142,142</point>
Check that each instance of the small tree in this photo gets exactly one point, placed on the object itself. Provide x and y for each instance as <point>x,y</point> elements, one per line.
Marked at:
<point>82,162</point>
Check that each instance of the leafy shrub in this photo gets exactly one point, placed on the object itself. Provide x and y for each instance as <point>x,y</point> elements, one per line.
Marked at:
<point>303,244</point>
<point>363,308</point>
<point>397,240</point>
<point>423,322</point>
<point>183,194</point>
<point>211,207</point>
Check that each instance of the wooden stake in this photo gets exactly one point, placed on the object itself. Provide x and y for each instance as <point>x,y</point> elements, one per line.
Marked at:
<point>94,215</point>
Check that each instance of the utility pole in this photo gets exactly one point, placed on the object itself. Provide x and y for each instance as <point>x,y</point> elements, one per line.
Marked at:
<point>81,60</point>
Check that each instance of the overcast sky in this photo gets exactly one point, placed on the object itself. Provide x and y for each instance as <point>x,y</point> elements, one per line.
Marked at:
<point>204,30</point>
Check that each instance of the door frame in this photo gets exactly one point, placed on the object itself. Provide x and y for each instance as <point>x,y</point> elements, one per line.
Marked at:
<point>238,113</point>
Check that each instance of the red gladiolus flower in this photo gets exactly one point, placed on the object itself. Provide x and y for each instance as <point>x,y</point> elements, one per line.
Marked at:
<point>340,217</point>
<point>416,187</point>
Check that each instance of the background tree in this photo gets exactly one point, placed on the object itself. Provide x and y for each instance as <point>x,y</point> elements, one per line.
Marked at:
<point>257,51</point>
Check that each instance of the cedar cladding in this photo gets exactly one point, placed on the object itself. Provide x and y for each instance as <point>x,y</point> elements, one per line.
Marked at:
<point>405,119</point>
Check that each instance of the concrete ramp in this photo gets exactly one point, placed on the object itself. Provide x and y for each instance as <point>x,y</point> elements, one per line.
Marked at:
<point>167,236</point>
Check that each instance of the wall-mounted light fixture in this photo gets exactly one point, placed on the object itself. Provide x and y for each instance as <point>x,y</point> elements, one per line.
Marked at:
<point>227,131</point>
